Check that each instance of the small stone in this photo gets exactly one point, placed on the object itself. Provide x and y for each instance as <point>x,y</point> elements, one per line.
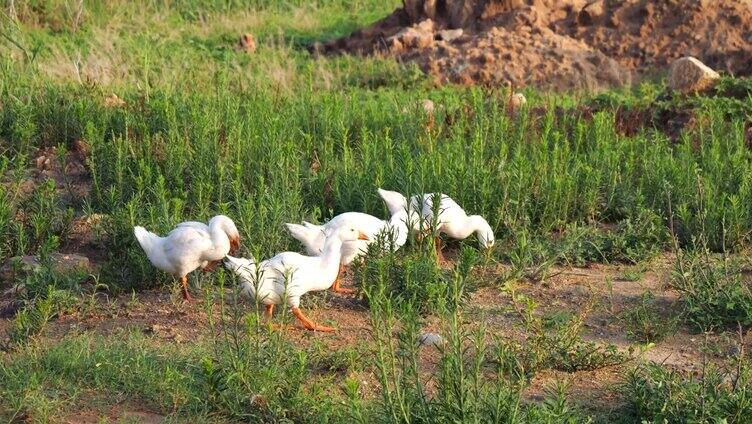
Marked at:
<point>425,26</point>
<point>247,43</point>
<point>516,102</point>
<point>431,339</point>
<point>42,162</point>
<point>732,352</point>
<point>155,328</point>
<point>449,34</point>
<point>688,75</point>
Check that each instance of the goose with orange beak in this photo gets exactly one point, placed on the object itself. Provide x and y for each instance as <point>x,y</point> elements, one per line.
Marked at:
<point>286,277</point>
<point>314,236</point>
<point>191,245</point>
<point>439,211</point>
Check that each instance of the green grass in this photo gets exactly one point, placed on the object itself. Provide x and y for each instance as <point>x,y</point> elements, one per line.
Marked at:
<point>281,136</point>
<point>644,321</point>
<point>657,394</point>
<point>715,291</point>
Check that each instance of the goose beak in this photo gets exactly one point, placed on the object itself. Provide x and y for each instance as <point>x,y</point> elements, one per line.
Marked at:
<point>362,236</point>
<point>234,245</point>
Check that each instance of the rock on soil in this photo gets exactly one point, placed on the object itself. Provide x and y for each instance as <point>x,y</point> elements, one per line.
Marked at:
<point>517,102</point>
<point>559,44</point>
<point>431,339</point>
<point>688,75</point>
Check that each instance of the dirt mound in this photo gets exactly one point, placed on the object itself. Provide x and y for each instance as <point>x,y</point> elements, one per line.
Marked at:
<point>562,44</point>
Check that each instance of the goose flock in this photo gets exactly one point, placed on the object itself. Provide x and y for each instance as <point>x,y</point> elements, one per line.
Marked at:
<point>330,248</point>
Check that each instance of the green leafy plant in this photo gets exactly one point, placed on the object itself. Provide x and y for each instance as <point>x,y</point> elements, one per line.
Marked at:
<point>645,323</point>
<point>659,394</point>
<point>716,293</point>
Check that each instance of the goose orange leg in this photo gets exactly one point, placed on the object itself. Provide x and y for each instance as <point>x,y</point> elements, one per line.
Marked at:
<point>336,288</point>
<point>440,260</point>
<point>184,282</point>
<point>269,311</point>
<point>308,324</point>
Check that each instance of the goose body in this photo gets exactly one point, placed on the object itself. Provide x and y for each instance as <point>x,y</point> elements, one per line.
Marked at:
<point>190,245</point>
<point>450,219</point>
<point>290,275</point>
<point>313,236</point>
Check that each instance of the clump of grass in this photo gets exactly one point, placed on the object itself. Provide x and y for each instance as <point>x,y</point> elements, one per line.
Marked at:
<point>45,293</point>
<point>558,344</point>
<point>412,277</point>
<point>46,381</point>
<point>657,394</point>
<point>645,323</point>
<point>631,241</point>
<point>474,381</point>
<point>715,292</point>
<point>36,313</point>
<point>634,273</point>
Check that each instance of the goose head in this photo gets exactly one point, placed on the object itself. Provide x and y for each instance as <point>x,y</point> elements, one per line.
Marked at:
<point>351,234</point>
<point>226,225</point>
<point>483,231</point>
<point>394,200</point>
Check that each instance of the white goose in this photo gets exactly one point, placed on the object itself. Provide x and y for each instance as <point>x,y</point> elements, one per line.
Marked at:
<point>452,220</point>
<point>290,275</point>
<point>314,236</point>
<point>189,246</point>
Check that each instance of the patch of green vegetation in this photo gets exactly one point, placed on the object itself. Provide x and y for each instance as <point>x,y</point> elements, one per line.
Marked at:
<point>558,343</point>
<point>631,240</point>
<point>412,278</point>
<point>44,381</point>
<point>474,382</point>
<point>178,124</point>
<point>645,323</point>
<point>42,293</point>
<point>715,291</point>
<point>634,273</point>
<point>657,394</point>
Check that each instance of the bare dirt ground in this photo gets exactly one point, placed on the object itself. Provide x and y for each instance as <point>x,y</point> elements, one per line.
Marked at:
<point>561,44</point>
<point>161,315</point>
<point>118,413</point>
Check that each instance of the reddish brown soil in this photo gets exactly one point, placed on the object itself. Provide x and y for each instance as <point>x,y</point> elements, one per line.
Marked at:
<point>560,44</point>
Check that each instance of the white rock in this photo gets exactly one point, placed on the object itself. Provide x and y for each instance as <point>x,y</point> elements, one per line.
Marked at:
<point>688,75</point>
<point>431,339</point>
<point>518,100</point>
<point>450,34</point>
